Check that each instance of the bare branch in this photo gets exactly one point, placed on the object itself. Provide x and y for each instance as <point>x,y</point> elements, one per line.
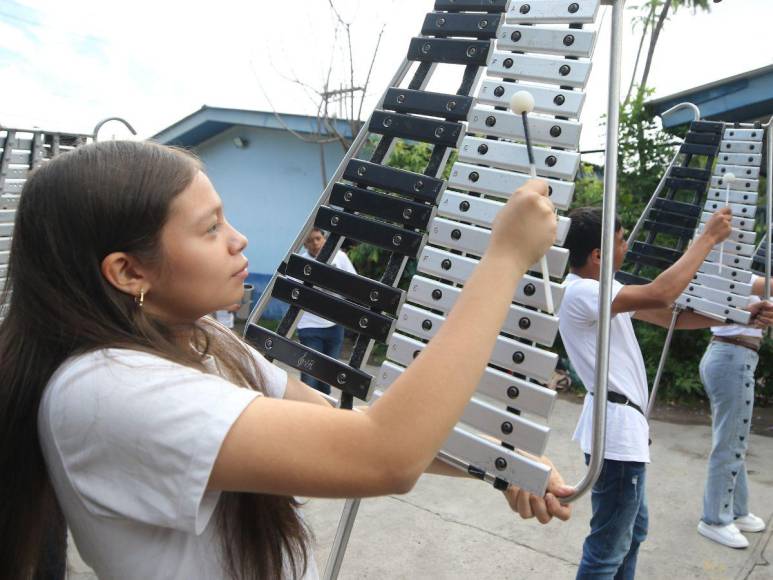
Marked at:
<point>337,14</point>
<point>370,70</point>
<point>281,121</point>
<point>649,19</point>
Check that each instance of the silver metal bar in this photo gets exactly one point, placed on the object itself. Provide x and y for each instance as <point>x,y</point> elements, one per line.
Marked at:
<point>607,257</point>
<point>662,363</point>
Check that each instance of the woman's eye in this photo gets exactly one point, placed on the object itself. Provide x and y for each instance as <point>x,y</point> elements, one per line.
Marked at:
<point>214,228</point>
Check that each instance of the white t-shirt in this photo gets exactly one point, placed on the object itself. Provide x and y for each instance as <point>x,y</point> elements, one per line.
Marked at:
<point>309,320</point>
<point>627,430</point>
<point>130,440</point>
<point>739,329</point>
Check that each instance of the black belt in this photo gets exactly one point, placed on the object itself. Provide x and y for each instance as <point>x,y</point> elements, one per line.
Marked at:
<point>621,399</point>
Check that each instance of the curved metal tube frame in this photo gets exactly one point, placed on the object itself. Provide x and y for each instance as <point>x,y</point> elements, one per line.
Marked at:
<point>99,125</point>
<point>607,259</point>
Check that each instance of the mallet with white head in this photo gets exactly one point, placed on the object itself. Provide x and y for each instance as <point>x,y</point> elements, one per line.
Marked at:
<point>522,103</point>
<point>729,178</point>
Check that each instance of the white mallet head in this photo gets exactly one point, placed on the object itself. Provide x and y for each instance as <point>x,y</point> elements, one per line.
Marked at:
<point>728,177</point>
<point>522,102</point>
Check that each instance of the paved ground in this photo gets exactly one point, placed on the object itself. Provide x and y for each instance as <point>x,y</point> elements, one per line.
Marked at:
<point>455,528</point>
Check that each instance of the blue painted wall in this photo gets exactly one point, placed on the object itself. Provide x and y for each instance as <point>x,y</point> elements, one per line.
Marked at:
<point>269,188</point>
<point>738,99</point>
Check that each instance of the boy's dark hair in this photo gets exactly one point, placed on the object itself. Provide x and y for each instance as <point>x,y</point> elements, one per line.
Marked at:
<point>585,234</point>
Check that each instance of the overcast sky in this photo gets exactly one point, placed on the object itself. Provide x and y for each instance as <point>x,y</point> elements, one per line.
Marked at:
<point>67,64</point>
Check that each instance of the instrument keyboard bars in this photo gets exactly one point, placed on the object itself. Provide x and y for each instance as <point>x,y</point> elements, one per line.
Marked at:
<point>363,216</point>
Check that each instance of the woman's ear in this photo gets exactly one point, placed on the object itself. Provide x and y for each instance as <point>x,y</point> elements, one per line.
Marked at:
<point>124,272</point>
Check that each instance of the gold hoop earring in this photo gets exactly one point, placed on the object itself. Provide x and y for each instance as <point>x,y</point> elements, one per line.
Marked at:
<point>140,300</point>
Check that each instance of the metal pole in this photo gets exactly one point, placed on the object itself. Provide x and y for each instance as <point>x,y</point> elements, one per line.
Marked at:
<point>663,359</point>
<point>769,207</point>
<point>337,552</point>
<point>607,257</point>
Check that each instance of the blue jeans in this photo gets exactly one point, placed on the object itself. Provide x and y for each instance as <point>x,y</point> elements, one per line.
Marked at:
<point>727,373</point>
<point>325,340</point>
<point>619,522</point>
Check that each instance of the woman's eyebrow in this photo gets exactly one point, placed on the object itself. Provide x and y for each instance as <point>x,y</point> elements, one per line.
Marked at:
<point>207,214</point>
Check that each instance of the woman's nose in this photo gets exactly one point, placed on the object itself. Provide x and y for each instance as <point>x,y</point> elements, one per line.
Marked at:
<point>237,241</point>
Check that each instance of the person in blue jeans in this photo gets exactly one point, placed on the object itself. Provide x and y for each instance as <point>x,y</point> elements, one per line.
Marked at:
<point>727,373</point>
<point>316,332</point>
<point>620,517</point>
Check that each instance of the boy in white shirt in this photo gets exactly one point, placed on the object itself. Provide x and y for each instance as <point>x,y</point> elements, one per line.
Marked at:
<point>620,520</point>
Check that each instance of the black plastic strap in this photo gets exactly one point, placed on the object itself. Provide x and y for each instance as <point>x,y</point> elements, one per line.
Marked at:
<point>367,292</point>
<point>322,367</point>
<point>444,133</point>
<point>419,187</point>
<point>394,239</point>
<point>387,207</point>
<point>450,107</point>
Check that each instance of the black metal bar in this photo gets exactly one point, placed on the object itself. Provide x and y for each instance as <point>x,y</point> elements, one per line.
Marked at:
<point>442,24</point>
<point>695,149</point>
<point>632,279</point>
<point>418,187</point>
<point>322,367</point>
<point>445,106</point>
<point>353,316</point>
<point>678,207</point>
<point>387,207</point>
<point>371,293</point>
<point>412,128</point>
<point>664,228</point>
<point>471,5</point>
<point>691,173</point>
<point>390,238</point>
<point>449,51</point>
<point>668,254</point>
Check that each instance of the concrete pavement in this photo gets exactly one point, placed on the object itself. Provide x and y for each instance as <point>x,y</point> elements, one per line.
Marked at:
<point>457,528</point>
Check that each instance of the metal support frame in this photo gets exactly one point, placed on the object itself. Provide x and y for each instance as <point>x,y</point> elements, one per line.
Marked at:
<point>348,516</point>
<point>768,221</point>
<point>609,213</point>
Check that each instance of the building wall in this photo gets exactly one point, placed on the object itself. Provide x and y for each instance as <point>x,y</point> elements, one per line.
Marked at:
<point>269,188</point>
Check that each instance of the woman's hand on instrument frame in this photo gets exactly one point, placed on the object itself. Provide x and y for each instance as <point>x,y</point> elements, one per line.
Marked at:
<point>762,314</point>
<point>544,508</point>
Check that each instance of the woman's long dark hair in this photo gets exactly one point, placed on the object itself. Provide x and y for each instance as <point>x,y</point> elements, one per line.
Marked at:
<point>74,211</point>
